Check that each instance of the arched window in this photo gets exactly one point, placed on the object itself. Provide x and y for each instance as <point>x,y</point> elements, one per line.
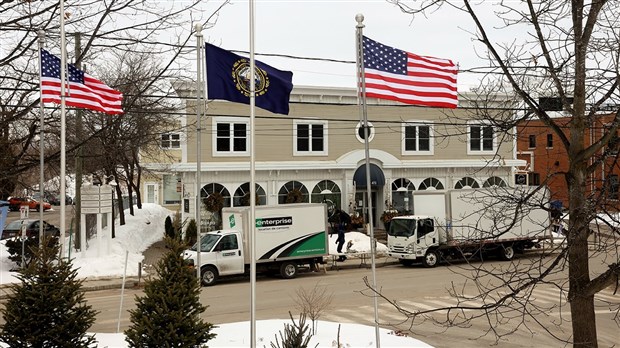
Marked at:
<point>242,196</point>
<point>293,192</point>
<point>466,182</point>
<point>402,194</point>
<point>328,192</point>
<point>431,184</point>
<point>213,188</point>
<point>494,181</point>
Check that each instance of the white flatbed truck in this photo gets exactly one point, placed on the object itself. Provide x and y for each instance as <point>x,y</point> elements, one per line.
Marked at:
<point>460,223</point>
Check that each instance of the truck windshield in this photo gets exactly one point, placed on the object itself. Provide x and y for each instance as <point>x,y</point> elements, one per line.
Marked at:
<point>208,241</point>
<point>402,227</point>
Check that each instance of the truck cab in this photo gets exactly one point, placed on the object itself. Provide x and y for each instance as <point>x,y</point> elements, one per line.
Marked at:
<point>220,251</point>
<point>412,237</point>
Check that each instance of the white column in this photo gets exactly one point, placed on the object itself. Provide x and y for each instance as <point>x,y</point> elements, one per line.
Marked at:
<point>99,234</point>
<point>83,235</point>
<point>109,235</point>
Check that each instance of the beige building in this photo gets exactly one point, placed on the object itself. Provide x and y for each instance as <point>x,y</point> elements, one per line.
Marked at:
<point>316,153</point>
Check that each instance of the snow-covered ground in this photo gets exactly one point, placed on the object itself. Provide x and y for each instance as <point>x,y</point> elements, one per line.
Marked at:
<point>238,335</point>
<point>147,227</point>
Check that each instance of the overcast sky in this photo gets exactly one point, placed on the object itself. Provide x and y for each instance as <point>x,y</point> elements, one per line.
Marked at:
<point>326,29</point>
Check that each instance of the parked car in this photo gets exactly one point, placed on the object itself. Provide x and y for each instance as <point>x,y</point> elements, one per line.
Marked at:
<point>13,229</point>
<point>16,202</point>
<point>55,200</point>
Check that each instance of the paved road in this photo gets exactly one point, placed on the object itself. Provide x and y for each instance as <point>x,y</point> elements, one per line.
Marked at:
<point>51,216</point>
<point>414,288</point>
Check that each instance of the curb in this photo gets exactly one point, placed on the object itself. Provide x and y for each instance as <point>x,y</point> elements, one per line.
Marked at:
<point>97,284</point>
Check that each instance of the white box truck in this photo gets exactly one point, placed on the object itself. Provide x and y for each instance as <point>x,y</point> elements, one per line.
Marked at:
<point>287,236</point>
<point>460,223</point>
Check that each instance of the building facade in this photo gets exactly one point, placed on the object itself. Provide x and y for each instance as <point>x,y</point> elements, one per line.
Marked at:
<point>547,159</point>
<point>317,153</point>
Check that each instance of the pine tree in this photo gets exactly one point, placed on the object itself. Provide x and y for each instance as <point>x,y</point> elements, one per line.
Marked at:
<point>47,307</point>
<point>168,315</point>
<point>190,232</point>
<point>294,336</point>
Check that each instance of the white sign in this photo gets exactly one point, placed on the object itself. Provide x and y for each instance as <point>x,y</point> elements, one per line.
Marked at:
<point>24,210</point>
<point>90,210</point>
<point>90,197</point>
<point>96,199</point>
<point>90,204</point>
<point>89,190</point>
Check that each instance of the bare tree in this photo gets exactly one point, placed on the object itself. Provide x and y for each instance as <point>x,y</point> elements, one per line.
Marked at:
<point>312,303</point>
<point>110,28</point>
<point>569,51</point>
<point>117,148</point>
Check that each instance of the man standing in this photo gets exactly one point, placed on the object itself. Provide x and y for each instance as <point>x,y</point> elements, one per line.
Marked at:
<point>340,239</point>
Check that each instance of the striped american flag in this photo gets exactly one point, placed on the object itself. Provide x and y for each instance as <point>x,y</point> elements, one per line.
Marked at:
<point>82,91</point>
<point>394,74</point>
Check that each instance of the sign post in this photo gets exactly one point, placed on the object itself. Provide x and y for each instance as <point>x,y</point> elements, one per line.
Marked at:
<point>24,211</point>
<point>96,200</point>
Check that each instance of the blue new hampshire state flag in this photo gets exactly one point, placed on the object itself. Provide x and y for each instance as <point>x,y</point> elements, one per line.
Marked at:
<point>228,75</point>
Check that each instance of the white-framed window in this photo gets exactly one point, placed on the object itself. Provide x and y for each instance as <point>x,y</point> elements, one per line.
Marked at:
<point>309,138</point>
<point>231,136</point>
<point>417,138</point>
<point>170,140</point>
<point>172,189</point>
<point>481,139</point>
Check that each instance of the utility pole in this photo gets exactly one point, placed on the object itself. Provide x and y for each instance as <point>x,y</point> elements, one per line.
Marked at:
<point>78,154</point>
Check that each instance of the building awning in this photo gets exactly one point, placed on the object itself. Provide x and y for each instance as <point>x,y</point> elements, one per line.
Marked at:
<point>376,176</point>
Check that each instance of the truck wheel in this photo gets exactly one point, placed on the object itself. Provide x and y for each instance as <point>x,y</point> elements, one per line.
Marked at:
<point>209,275</point>
<point>506,252</point>
<point>431,259</point>
<point>288,270</point>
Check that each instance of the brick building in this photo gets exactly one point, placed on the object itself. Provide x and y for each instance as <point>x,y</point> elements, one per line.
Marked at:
<point>547,159</point>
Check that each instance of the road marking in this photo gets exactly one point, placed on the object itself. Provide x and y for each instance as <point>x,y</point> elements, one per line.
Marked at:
<point>472,303</point>
<point>358,314</point>
<point>553,294</point>
<point>388,310</point>
<point>598,311</point>
<point>608,297</point>
<point>538,296</point>
<point>418,305</point>
<point>442,303</point>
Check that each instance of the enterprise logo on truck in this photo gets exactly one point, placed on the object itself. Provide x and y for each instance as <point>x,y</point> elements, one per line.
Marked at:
<point>274,222</point>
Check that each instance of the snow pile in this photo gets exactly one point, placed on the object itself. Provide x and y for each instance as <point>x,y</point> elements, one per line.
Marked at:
<point>359,243</point>
<point>138,233</point>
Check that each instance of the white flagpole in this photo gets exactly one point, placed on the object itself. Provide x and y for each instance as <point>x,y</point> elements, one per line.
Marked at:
<point>364,114</point>
<point>41,35</point>
<point>199,86</point>
<point>63,111</point>
<point>252,223</point>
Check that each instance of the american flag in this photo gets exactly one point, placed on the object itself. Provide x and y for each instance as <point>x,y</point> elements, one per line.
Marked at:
<point>82,90</point>
<point>394,74</point>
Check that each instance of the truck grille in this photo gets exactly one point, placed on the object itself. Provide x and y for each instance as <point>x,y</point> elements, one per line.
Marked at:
<point>398,249</point>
